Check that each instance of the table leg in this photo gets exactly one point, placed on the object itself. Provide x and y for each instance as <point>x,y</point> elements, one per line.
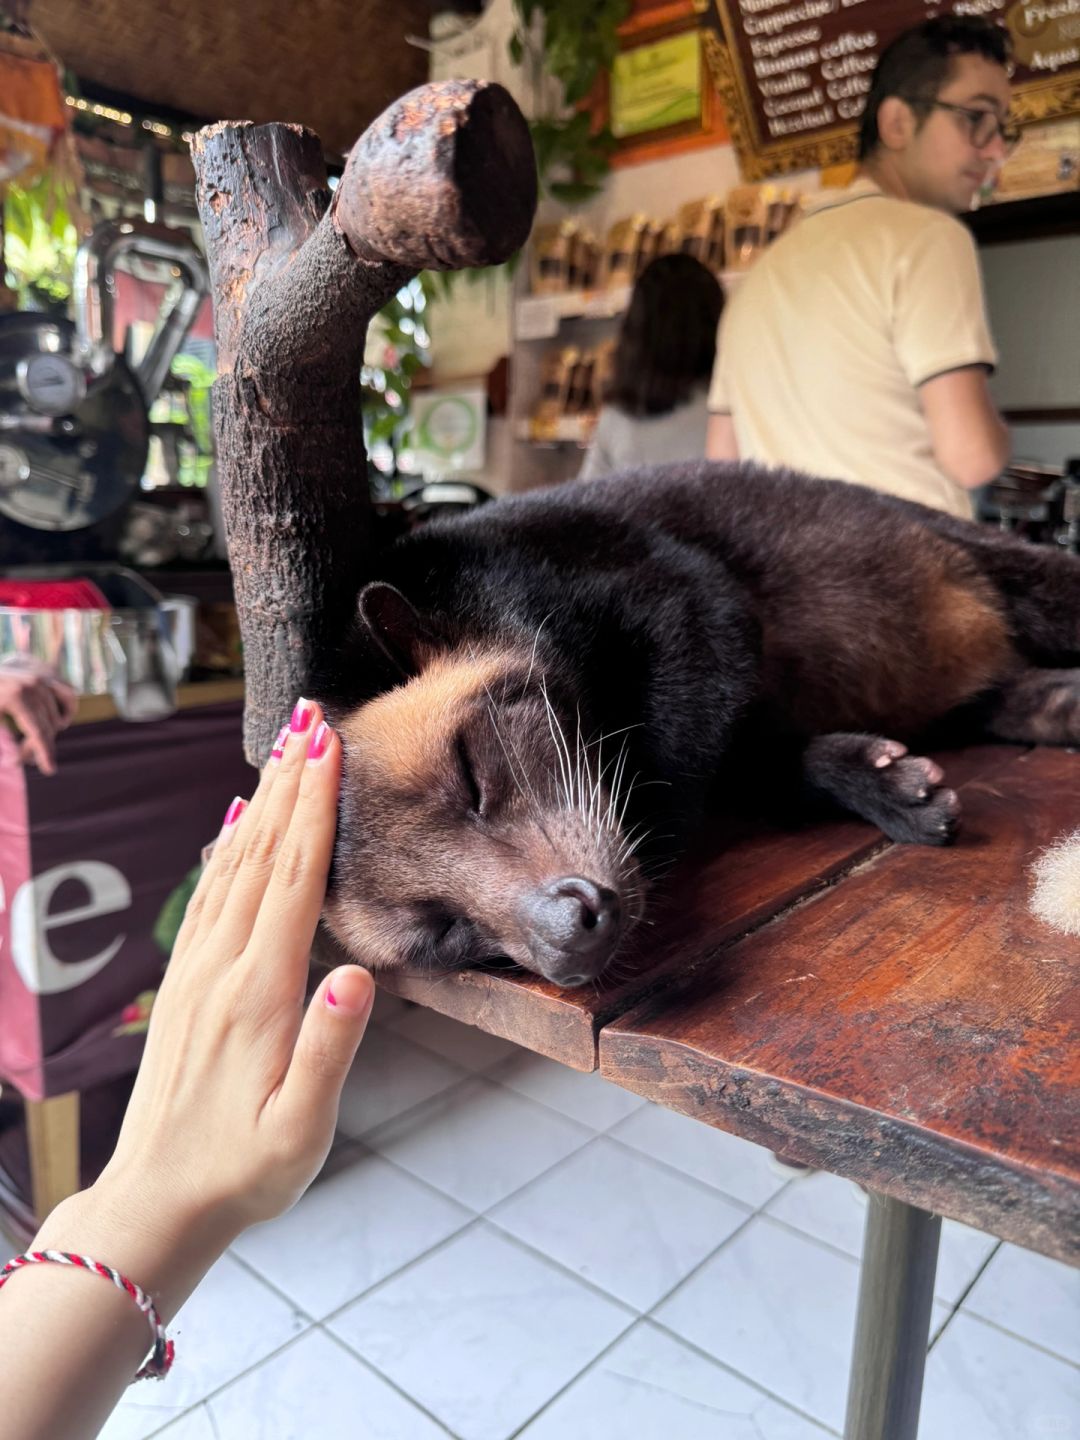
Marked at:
<point>52,1128</point>
<point>896,1291</point>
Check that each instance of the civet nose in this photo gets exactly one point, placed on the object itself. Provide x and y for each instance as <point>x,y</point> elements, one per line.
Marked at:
<point>576,923</point>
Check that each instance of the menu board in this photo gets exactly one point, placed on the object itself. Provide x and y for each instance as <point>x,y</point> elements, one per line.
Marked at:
<point>793,74</point>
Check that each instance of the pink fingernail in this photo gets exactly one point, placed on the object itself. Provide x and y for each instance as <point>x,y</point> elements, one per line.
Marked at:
<point>320,741</point>
<point>279,744</point>
<point>301,716</point>
<point>235,810</point>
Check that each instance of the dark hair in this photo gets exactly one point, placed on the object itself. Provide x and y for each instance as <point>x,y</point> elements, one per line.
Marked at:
<point>916,64</point>
<point>667,343</point>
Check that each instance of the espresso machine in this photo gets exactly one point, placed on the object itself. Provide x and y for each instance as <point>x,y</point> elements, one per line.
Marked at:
<point>74,414</point>
<point>74,435</point>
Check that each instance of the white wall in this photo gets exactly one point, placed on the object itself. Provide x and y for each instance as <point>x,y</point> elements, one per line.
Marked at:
<point>1033,298</point>
<point>471,330</point>
<point>1045,444</point>
<point>1033,295</point>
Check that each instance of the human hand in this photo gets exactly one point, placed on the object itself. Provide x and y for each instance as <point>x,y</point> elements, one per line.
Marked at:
<point>40,704</point>
<point>235,1104</point>
<point>233,1109</point>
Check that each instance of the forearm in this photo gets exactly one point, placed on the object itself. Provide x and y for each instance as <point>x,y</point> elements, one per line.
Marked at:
<point>969,438</point>
<point>720,441</point>
<point>72,1341</point>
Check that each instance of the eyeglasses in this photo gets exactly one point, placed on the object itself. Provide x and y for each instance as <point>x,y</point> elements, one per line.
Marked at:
<point>983,125</point>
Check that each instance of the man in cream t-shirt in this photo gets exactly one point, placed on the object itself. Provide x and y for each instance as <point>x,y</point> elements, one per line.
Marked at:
<point>857,347</point>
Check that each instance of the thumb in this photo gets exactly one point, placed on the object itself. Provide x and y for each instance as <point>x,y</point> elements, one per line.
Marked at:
<point>329,1036</point>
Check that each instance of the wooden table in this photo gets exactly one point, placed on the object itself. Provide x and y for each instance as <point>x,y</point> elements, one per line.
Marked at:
<point>893,1014</point>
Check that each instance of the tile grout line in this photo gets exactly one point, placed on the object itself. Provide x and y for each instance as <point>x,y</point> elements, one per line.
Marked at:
<point>497,1233</point>
<point>617,1340</point>
<point>747,1379</point>
<point>633,1316</point>
<point>554,1109</point>
<point>1024,1340</point>
<point>293,1305</point>
<point>828,1245</point>
<point>368,1153</point>
<point>955,1309</point>
<point>659,1165</point>
<point>211,1394</point>
<point>386,1380</point>
<point>274,1355</point>
<point>754,1215</point>
<point>384,1280</point>
<point>658,1162</point>
<point>410,1110</point>
<point>636,1317</point>
<point>441,1096</point>
<point>467,1205</point>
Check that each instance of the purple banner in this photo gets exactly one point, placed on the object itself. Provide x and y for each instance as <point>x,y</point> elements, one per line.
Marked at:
<point>88,859</point>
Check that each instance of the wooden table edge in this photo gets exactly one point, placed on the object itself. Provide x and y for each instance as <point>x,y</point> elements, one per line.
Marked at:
<point>931,1170</point>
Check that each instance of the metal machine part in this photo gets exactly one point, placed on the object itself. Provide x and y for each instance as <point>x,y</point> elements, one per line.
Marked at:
<point>74,425</point>
<point>95,295</point>
<point>64,468</point>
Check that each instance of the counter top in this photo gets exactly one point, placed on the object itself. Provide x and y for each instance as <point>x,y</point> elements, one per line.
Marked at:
<point>93,708</point>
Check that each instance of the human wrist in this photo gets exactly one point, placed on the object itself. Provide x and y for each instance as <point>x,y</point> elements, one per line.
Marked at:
<point>166,1250</point>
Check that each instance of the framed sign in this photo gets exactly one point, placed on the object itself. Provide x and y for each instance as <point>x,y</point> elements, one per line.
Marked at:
<point>449,428</point>
<point>657,85</point>
<point>793,74</point>
<point>660,98</point>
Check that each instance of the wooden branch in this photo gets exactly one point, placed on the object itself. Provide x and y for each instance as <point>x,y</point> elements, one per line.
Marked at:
<point>445,178</point>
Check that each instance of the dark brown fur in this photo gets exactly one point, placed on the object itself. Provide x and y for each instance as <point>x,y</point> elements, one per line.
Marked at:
<point>706,620</point>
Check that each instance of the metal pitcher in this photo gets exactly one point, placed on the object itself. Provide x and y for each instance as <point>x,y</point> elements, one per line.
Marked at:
<point>142,664</point>
<point>137,652</point>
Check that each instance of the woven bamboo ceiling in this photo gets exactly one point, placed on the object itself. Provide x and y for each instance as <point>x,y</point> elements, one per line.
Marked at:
<point>330,64</point>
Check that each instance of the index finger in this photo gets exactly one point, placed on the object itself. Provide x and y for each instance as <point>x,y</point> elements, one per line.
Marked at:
<point>287,918</point>
<point>214,883</point>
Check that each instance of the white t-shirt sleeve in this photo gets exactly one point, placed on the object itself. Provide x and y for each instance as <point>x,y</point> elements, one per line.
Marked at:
<point>939,314</point>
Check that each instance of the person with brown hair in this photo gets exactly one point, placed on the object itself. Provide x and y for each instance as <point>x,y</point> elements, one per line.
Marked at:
<point>857,347</point>
<point>655,410</point>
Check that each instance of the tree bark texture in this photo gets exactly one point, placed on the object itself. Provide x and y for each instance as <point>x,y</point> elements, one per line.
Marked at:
<point>445,178</point>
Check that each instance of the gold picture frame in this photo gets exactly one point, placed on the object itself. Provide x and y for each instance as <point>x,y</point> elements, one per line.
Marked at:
<point>1034,99</point>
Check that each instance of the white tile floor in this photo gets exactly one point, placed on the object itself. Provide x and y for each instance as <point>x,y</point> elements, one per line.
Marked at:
<point>502,1247</point>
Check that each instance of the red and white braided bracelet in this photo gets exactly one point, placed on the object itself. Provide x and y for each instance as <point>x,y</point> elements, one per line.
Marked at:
<point>159,1362</point>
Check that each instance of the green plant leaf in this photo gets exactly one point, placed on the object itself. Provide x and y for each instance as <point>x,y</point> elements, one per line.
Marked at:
<point>383,428</point>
